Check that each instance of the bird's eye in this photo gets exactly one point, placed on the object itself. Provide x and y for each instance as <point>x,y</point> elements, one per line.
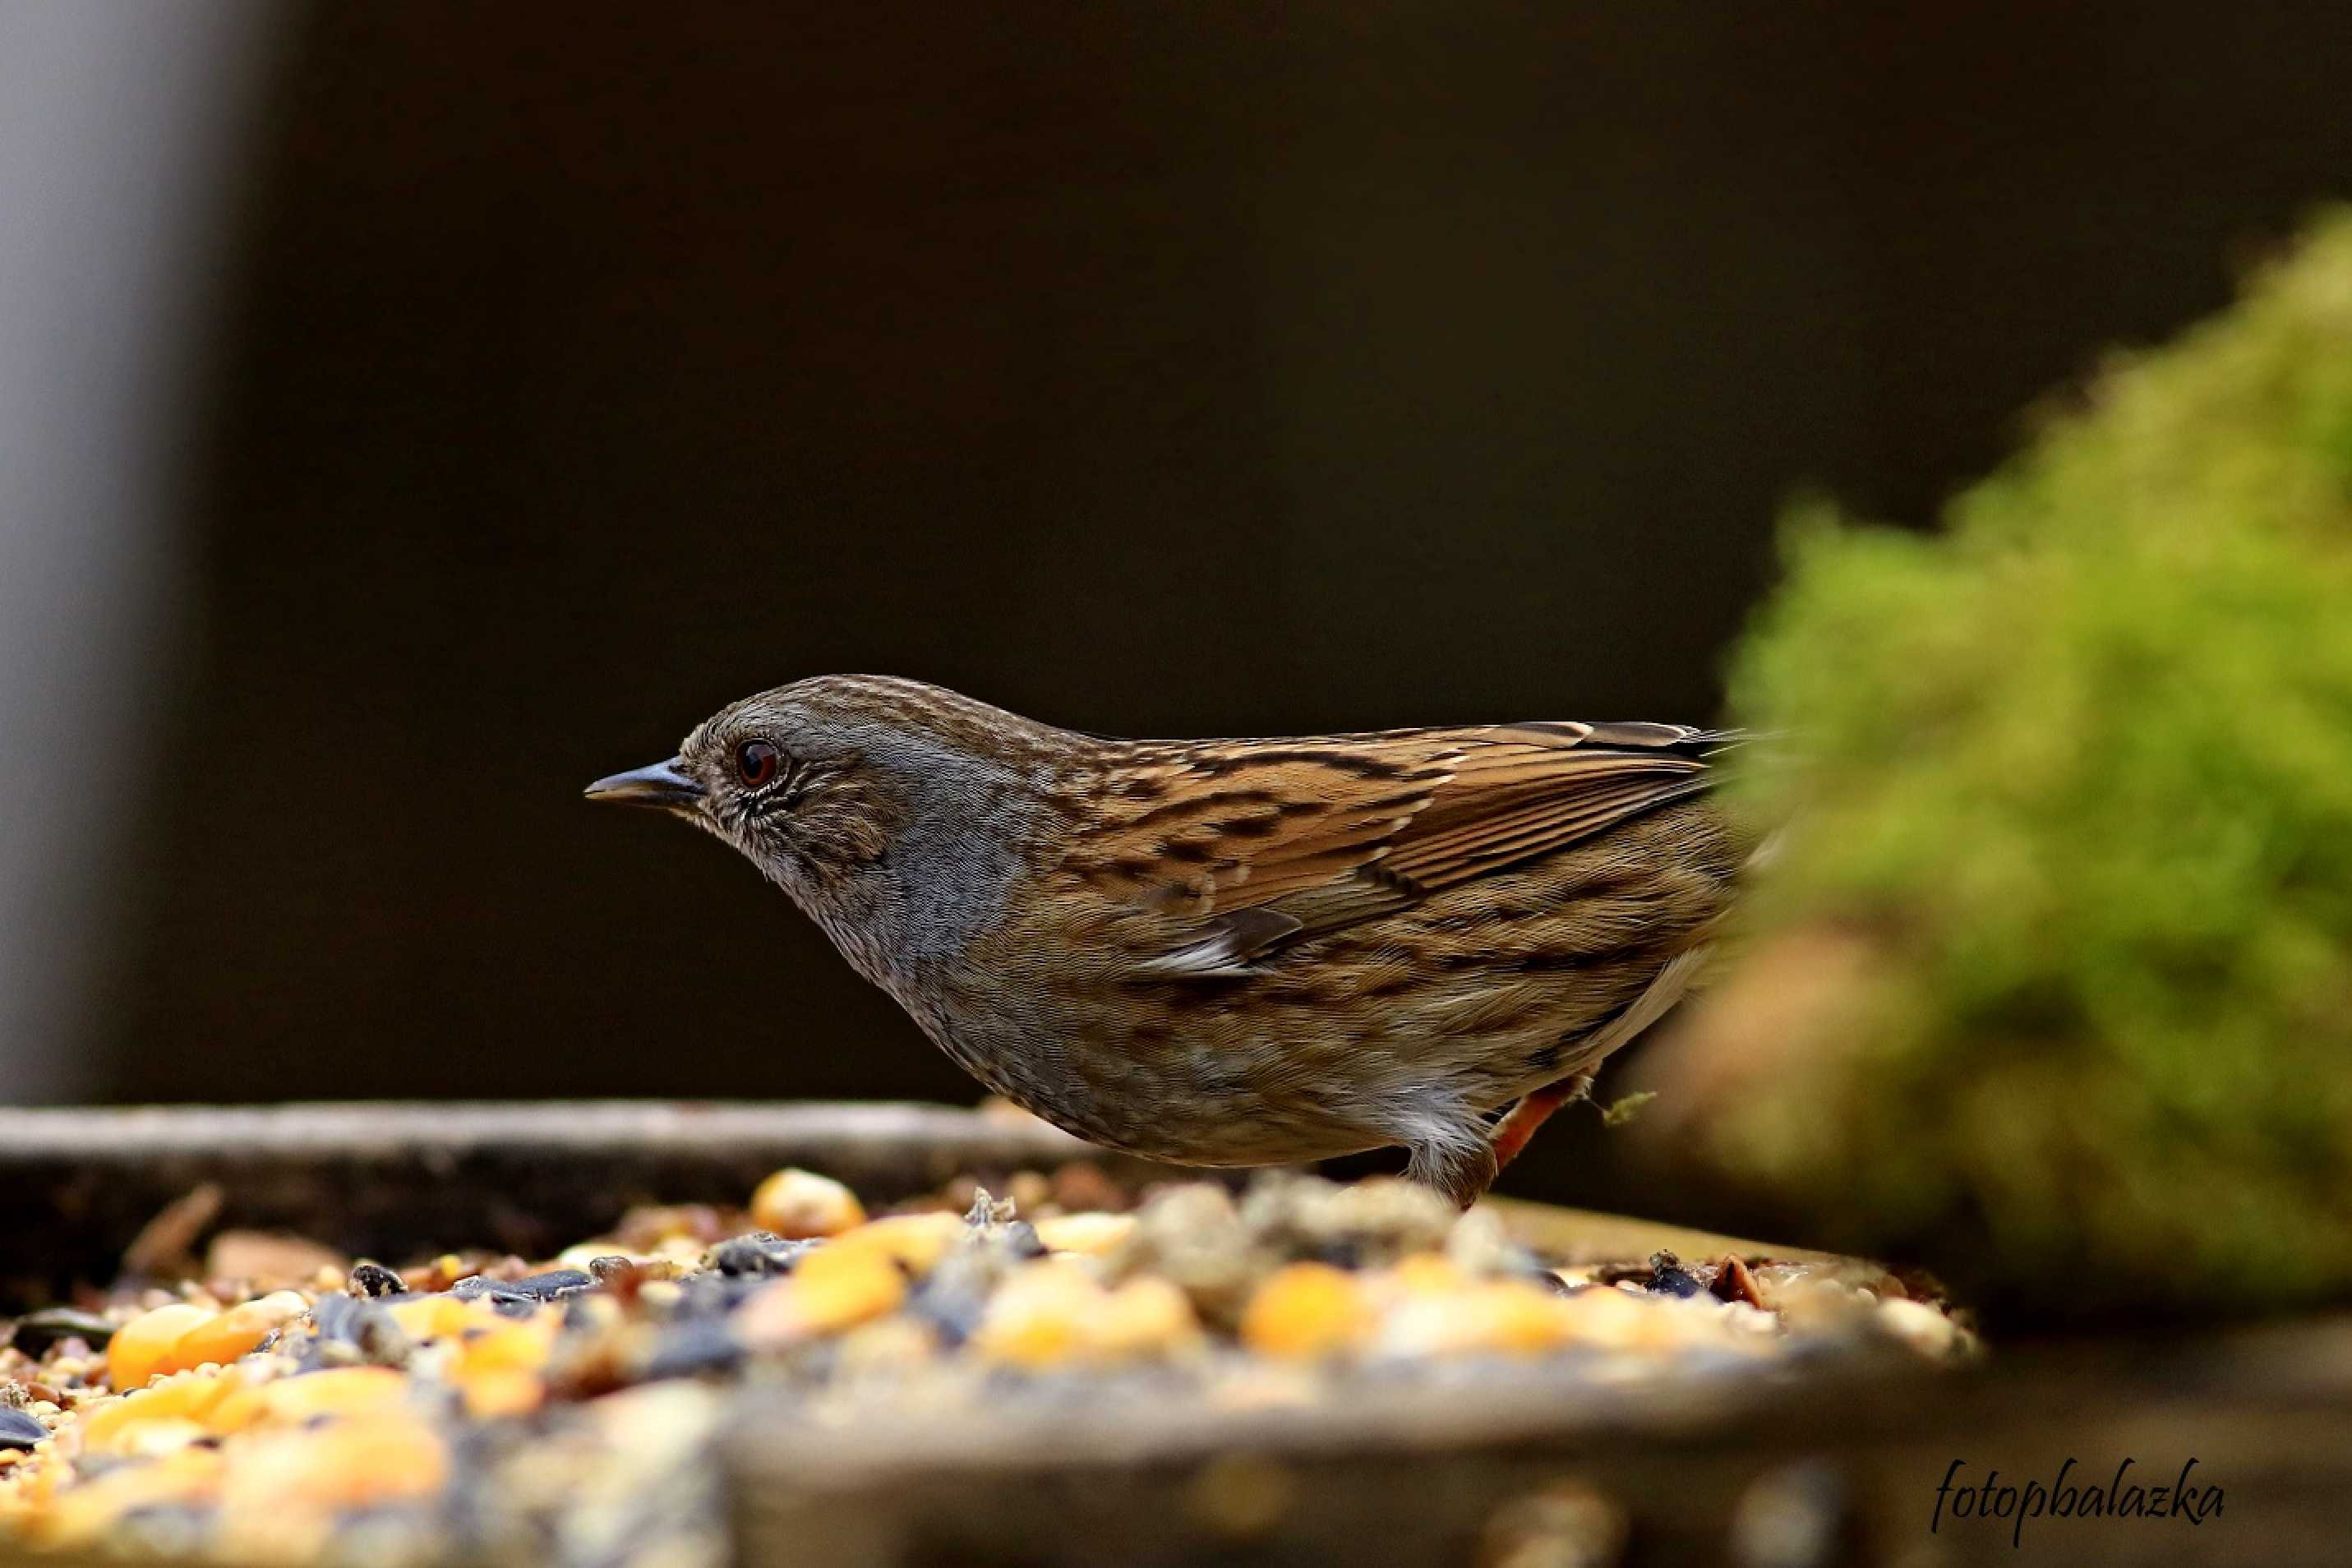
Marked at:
<point>756,761</point>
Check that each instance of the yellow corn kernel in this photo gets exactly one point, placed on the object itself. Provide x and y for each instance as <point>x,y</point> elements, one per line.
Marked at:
<point>833,1288</point>
<point>144,1346</point>
<point>1053,1312</point>
<point>1142,1319</point>
<point>1039,1317</point>
<point>913,1241</point>
<point>1504,1317</point>
<point>1427,1273</point>
<point>510,1344</point>
<point>501,1391</point>
<point>438,1317</point>
<point>1523,1319</point>
<point>241,1404</point>
<point>189,1397</point>
<point>237,1331</point>
<point>799,1204</point>
<point>1308,1311</point>
<point>341,1391</point>
<point>497,1366</point>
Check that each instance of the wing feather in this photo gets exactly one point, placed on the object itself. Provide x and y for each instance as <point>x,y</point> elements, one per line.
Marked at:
<point>1239,849</point>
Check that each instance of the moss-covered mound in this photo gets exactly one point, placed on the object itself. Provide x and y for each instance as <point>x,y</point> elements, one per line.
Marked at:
<point>2053,981</point>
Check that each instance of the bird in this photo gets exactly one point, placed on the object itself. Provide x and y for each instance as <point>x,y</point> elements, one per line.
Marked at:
<point>1241,951</point>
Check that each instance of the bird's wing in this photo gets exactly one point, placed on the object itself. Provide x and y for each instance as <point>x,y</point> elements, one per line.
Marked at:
<point>1239,848</point>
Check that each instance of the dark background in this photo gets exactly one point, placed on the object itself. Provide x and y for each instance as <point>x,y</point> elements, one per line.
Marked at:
<point>1208,369</point>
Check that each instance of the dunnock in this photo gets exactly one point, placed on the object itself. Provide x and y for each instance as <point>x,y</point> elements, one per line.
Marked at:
<point>1241,951</point>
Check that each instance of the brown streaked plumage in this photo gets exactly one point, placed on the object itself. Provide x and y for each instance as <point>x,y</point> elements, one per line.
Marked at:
<point>1235,951</point>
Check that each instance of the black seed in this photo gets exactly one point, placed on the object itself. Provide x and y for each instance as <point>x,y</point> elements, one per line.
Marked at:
<point>364,1326</point>
<point>516,1298</point>
<point>758,1255</point>
<point>1669,1278</point>
<point>369,1279</point>
<point>18,1430</point>
<point>36,1332</point>
<point>553,1285</point>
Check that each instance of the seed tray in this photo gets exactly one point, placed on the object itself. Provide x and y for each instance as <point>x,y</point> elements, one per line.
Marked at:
<point>1831,1457</point>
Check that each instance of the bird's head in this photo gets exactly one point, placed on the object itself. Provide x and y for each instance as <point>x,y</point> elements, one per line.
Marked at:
<point>873,801</point>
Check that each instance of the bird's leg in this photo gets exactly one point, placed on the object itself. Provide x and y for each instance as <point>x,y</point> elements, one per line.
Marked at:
<point>1511,1134</point>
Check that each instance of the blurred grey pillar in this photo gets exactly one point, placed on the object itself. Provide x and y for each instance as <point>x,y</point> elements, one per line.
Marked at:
<point>118,122</point>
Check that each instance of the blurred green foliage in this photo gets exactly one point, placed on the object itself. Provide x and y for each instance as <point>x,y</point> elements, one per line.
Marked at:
<point>2079,767</point>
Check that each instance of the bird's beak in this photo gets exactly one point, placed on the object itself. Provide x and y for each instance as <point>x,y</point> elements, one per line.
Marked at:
<point>663,784</point>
